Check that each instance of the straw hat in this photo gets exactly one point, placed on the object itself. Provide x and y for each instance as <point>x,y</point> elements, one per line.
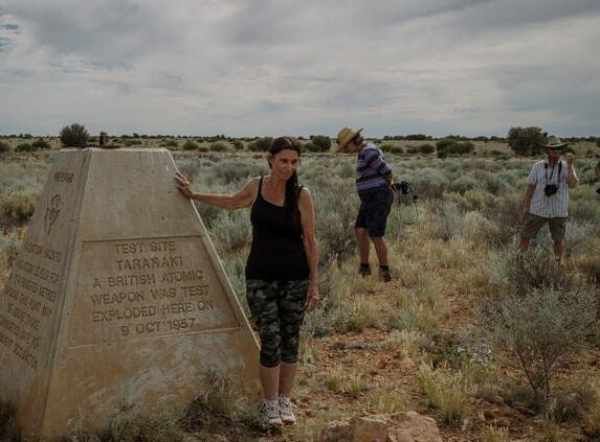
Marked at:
<point>345,136</point>
<point>553,142</point>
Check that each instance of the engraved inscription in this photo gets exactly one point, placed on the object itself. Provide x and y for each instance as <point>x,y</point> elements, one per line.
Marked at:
<point>52,212</point>
<point>145,288</point>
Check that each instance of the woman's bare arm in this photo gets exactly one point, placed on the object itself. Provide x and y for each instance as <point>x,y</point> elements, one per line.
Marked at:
<point>311,247</point>
<point>244,198</point>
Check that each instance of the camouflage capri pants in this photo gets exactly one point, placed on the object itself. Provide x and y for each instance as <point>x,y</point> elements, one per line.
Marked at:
<point>277,308</point>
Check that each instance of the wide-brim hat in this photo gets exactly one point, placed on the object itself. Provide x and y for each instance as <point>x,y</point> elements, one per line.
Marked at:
<point>553,142</point>
<point>345,136</point>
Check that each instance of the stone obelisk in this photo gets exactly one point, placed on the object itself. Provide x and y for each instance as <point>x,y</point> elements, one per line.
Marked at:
<point>116,297</point>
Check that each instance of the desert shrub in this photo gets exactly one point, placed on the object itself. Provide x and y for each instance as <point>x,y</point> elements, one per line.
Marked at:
<point>397,150</point>
<point>311,147</point>
<point>426,148</point>
<point>41,144</point>
<point>4,147</point>
<point>231,231</point>
<point>479,229</point>
<point>539,329</point>
<point>522,272</point>
<point>449,146</point>
<point>387,147</point>
<point>461,148</point>
<point>493,434</point>
<point>24,147</point>
<point>323,142</point>
<point>189,145</point>
<point>444,391</point>
<point>463,183</point>
<point>169,144</point>
<point>74,135</point>
<point>429,182</point>
<point>227,172</point>
<point>346,169</point>
<point>132,142</point>
<point>442,147</point>
<point>412,150</point>
<point>335,218</point>
<point>238,144</point>
<point>17,207</point>
<point>261,144</point>
<point>219,146</point>
<point>526,140</point>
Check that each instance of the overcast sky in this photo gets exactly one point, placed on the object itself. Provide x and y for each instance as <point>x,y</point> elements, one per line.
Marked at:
<point>257,67</point>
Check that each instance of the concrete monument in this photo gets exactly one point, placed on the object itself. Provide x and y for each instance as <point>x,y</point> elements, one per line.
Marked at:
<point>117,297</point>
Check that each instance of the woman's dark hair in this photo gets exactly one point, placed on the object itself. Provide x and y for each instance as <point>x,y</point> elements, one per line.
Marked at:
<point>291,187</point>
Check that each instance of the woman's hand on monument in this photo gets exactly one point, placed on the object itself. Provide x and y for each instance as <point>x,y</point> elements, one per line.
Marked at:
<point>312,296</point>
<point>183,184</point>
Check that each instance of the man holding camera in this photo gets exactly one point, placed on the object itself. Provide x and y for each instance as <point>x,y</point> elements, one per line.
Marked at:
<point>547,196</point>
<point>373,180</point>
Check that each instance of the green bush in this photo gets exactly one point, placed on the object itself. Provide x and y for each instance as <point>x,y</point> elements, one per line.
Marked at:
<point>464,183</point>
<point>74,135</point>
<point>397,150</point>
<point>170,144</point>
<point>189,145</point>
<point>17,207</point>
<point>387,147</point>
<point>261,145</point>
<point>461,148</point>
<point>322,142</point>
<point>24,147</point>
<point>218,146</point>
<point>311,147</point>
<point>132,142</point>
<point>540,329</point>
<point>448,146</point>
<point>426,148</point>
<point>526,140</point>
<point>40,143</point>
<point>4,147</point>
<point>238,144</point>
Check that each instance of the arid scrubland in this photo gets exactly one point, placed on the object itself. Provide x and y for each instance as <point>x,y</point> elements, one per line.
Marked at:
<point>496,346</point>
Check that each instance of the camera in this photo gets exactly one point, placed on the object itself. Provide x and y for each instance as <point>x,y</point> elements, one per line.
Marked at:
<point>550,189</point>
<point>404,188</point>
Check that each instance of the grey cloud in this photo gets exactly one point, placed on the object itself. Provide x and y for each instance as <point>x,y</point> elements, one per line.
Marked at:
<point>113,33</point>
<point>5,43</point>
<point>10,27</point>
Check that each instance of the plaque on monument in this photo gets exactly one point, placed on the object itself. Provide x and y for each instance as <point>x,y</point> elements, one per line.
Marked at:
<point>116,297</point>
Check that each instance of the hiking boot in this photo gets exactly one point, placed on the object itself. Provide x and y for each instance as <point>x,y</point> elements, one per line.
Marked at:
<point>364,270</point>
<point>384,273</point>
<point>269,414</point>
<point>286,411</point>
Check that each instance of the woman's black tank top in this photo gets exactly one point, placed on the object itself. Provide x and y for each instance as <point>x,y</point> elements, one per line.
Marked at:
<point>277,252</point>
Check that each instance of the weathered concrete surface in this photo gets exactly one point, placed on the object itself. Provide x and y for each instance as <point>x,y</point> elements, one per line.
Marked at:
<point>117,297</point>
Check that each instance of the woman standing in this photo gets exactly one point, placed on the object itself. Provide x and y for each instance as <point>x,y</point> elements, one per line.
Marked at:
<point>281,271</point>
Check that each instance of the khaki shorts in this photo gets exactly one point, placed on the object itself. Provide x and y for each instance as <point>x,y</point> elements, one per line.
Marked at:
<point>534,223</point>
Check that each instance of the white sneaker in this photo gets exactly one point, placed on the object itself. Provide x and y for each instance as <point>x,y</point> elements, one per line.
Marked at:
<point>269,413</point>
<point>285,411</point>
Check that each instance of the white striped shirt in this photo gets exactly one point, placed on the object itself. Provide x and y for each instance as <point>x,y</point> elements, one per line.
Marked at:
<point>557,205</point>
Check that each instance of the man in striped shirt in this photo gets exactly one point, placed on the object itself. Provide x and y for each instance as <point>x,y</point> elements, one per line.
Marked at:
<point>373,179</point>
<point>547,196</point>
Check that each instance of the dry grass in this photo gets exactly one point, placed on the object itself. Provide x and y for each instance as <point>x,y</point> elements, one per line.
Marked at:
<point>446,392</point>
<point>448,255</point>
